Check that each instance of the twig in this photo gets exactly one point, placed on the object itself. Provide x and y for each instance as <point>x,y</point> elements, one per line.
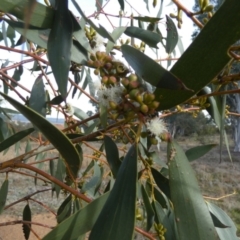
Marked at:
<point>219,198</point>
<point>24,222</point>
<point>26,198</point>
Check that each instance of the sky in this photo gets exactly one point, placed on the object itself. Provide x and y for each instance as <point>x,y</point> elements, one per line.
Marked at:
<point>113,8</point>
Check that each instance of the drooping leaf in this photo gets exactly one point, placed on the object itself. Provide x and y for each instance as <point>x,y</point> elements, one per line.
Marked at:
<point>189,206</point>
<point>59,174</point>
<point>162,218</point>
<point>11,35</point>
<point>103,115</point>
<point>117,32</point>
<point>27,216</point>
<point>3,194</point>
<point>172,35</point>
<point>53,134</point>
<point>15,138</point>
<point>162,182</point>
<point>149,70</point>
<point>150,38</point>
<point>112,155</point>
<point>223,233</point>
<point>56,100</point>
<point>148,19</point>
<point>121,204</point>
<point>17,75</point>
<point>90,186</point>
<point>99,5</point>
<point>64,211</point>
<point>121,3</point>
<point>197,152</point>
<point>81,115</point>
<point>205,44</point>
<point>59,45</point>
<point>37,100</point>
<point>149,209</point>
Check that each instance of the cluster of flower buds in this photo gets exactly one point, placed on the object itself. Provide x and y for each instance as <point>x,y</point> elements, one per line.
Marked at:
<point>110,70</point>
<point>141,99</point>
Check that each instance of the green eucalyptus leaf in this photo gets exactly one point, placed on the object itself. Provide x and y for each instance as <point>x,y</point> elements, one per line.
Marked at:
<point>150,38</point>
<point>189,206</point>
<point>59,174</point>
<point>81,115</point>
<point>172,35</point>
<point>27,216</point>
<point>64,211</point>
<point>112,155</point>
<point>223,233</point>
<point>59,45</point>
<point>149,70</point>
<point>103,115</point>
<point>121,3</point>
<point>56,100</point>
<point>3,194</point>
<point>17,75</point>
<point>37,100</point>
<point>15,138</point>
<point>204,45</point>
<point>197,152</point>
<point>148,19</point>
<point>162,182</point>
<point>71,229</point>
<point>117,32</point>
<point>53,134</point>
<point>121,204</point>
<point>162,218</point>
<point>149,209</point>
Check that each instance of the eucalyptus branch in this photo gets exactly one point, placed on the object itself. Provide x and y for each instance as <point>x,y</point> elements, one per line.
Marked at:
<point>26,197</point>
<point>24,222</point>
<point>188,13</point>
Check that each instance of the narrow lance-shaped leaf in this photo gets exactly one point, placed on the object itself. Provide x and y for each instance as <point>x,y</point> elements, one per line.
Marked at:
<point>206,50</point>
<point>15,138</point>
<point>172,35</point>
<point>37,100</point>
<point>27,216</point>
<point>223,233</point>
<point>121,204</point>
<point>197,152</point>
<point>59,45</point>
<point>149,37</point>
<point>53,134</point>
<point>71,229</point>
<point>112,155</point>
<point>3,194</point>
<point>189,206</point>
<point>148,207</point>
<point>151,71</point>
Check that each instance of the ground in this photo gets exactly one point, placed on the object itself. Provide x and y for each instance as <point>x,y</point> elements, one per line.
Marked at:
<point>216,181</point>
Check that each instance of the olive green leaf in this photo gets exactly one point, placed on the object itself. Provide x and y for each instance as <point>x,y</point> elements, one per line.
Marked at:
<point>59,45</point>
<point>3,194</point>
<point>53,134</point>
<point>37,100</point>
<point>15,138</point>
<point>79,223</point>
<point>150,38</point>
<point>149,70</point>
<point>121,204</point>
<point>172,35</point>
<point>189,206</point>
<point>112,155</point>
<point>197,152</point>
<point>27,216</point>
